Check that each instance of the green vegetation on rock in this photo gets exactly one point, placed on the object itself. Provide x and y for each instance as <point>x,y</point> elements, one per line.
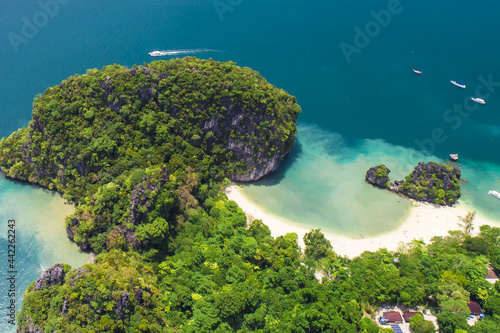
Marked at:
<point>137,148</point>
<point>117,294</point>
<point>378,176</point>
<point>226,277</point>
<point>144,153</point>
<point>433,182</point>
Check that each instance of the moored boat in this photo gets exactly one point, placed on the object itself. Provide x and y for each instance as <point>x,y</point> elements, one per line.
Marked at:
<point>458,84</point>
<point>478,100</point>
<point>495,194</point>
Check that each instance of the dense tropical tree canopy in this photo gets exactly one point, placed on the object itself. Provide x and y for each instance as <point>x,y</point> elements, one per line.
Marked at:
<point>137,148</point>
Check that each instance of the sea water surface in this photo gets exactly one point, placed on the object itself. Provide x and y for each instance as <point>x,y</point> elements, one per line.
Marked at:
<point>321,184</point>
<point>360,108</point>
<point>40,238</point>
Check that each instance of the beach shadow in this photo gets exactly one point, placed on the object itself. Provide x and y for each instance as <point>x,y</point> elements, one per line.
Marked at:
<point>27,184</point>
<point>277,176</point>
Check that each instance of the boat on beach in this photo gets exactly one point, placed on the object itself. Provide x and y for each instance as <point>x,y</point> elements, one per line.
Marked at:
<point>458,84</point>
<point>418,72</point>
<point>495,194</point>
<point>478,100</point>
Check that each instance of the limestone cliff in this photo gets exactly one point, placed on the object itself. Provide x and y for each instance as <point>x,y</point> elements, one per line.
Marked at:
<point>136,149</point>
<point>219,107</point>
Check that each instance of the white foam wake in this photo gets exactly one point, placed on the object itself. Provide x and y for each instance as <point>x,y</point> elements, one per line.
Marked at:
<point>176,52</point>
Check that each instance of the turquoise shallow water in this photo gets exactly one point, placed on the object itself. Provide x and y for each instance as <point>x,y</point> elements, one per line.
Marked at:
<point>373,109</point>
<point>40,240</point>
<point>321,184</point>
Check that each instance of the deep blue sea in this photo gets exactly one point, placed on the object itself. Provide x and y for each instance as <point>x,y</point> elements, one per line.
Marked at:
<point>348,62</point>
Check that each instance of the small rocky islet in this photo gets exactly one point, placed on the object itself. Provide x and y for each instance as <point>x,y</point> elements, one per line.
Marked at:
<point>433,182</point>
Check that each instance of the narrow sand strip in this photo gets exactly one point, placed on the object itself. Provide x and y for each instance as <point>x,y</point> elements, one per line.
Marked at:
<point>424,222</point>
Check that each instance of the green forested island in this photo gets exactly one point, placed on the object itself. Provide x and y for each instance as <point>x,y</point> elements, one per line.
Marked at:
<point>144,154</point>
<point>137,149</point>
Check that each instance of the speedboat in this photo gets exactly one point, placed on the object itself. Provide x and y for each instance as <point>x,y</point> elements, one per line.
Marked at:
<point>418,72</point>
<point>495,194</point>
<point>156,53</point>
<point>458,84</point>
<point>478,100</point>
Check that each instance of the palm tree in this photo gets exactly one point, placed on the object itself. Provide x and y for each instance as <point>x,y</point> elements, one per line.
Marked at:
<point>467,222</point>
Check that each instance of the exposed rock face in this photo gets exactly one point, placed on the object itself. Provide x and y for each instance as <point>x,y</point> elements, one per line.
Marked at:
<point>140,200</point>
<point>71,231</point>
<point>396,186</point>
<point>118,286</point>
<point>32,328</point>
<point>257,171</point>
<point>65,307</point>
<point>122,305</point>
<point>77,276</point>
<point>433,182</point>
<point>52,276</point>
<point>138,296</point>
<point>378,176</point>
<point>259,162</point>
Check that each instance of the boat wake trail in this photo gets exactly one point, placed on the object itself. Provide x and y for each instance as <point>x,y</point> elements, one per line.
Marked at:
<point>176,52</point>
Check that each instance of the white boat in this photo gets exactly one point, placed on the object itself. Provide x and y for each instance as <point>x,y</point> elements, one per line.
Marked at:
<point>178,52</point>
<point>495,194</point>
<point>418,72</point>
<point>478,100</point>
<point>156,53</point>
<point>458,84</point>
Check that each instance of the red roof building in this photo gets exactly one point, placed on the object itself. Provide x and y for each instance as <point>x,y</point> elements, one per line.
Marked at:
<point>393,317</point>
<point>474,308</point>
<point>407,315</point>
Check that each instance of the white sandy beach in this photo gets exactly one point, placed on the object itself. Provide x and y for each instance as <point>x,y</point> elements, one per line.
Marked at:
<point>424,222</point>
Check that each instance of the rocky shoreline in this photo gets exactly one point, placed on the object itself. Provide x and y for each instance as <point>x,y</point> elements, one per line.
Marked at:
<point>432,182</point>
